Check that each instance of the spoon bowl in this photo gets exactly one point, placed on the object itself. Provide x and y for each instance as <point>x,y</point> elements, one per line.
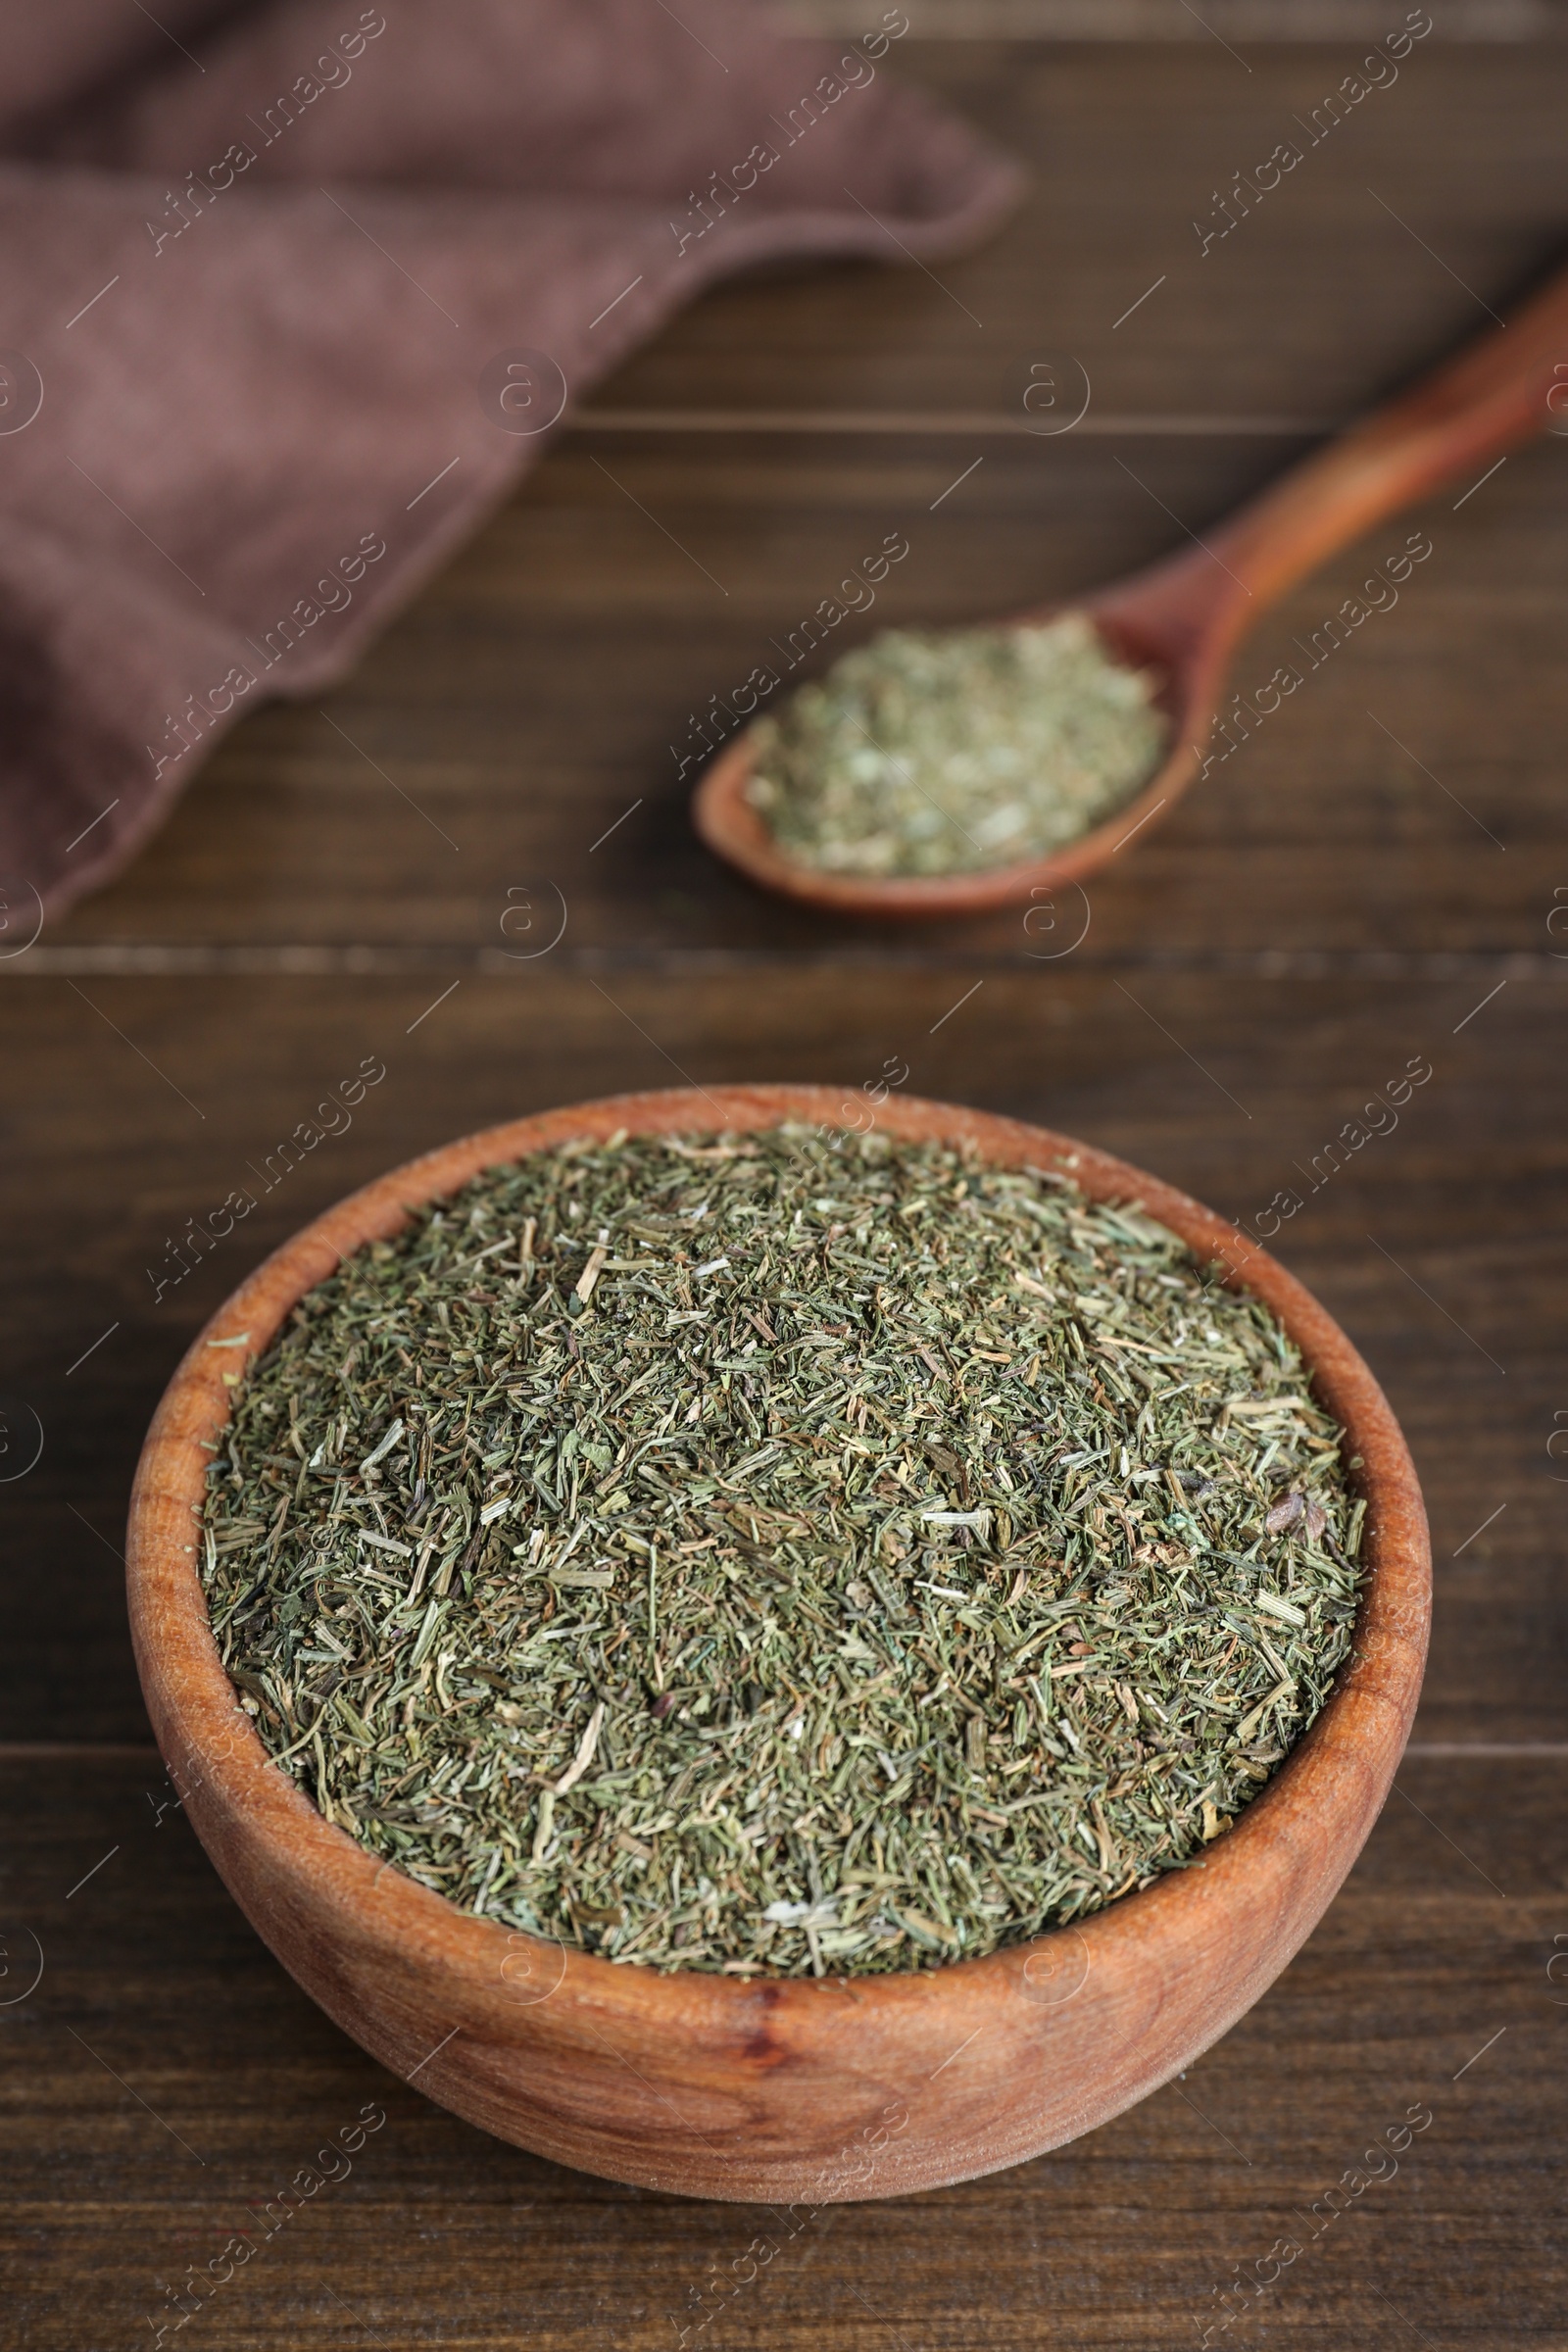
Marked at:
<point>1184,616</point>
<point>733,828</point>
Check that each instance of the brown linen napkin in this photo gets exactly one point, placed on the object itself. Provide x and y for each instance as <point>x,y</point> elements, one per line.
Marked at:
<point>284,316</point>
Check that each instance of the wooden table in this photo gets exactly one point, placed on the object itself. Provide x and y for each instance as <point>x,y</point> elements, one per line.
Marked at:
<point>1380,875</point>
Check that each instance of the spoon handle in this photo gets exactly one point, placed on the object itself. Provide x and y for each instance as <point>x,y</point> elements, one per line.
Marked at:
<point>1508,385</point>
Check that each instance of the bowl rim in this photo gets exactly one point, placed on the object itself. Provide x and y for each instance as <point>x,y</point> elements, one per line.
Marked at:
<point>187,1685</point>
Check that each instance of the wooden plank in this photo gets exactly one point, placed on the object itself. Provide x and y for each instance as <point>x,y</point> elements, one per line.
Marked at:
<point>1233,1092</point>
<point>532,696</point>
<point>1318,299</point>
<point>551,685</point>
<point>169,2083</point>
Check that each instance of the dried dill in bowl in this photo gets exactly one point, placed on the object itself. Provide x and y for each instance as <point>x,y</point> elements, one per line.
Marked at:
<point>780,1553</point>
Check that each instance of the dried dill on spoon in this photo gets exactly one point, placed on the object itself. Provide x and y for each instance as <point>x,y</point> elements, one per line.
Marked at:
<point>955,753</point>
<point>778,1554</point>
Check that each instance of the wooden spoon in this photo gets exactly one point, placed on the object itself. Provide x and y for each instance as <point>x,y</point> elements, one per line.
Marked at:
<point>1184,616</point>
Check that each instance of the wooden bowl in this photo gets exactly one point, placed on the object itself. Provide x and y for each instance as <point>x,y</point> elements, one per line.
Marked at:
<point>796,2089</point>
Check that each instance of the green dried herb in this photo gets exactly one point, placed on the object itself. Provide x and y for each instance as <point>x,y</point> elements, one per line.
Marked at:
<point>955,753</point>
<point>780,1552</point>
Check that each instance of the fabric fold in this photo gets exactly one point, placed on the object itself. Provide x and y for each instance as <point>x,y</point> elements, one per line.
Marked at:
<point>286,321</point>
